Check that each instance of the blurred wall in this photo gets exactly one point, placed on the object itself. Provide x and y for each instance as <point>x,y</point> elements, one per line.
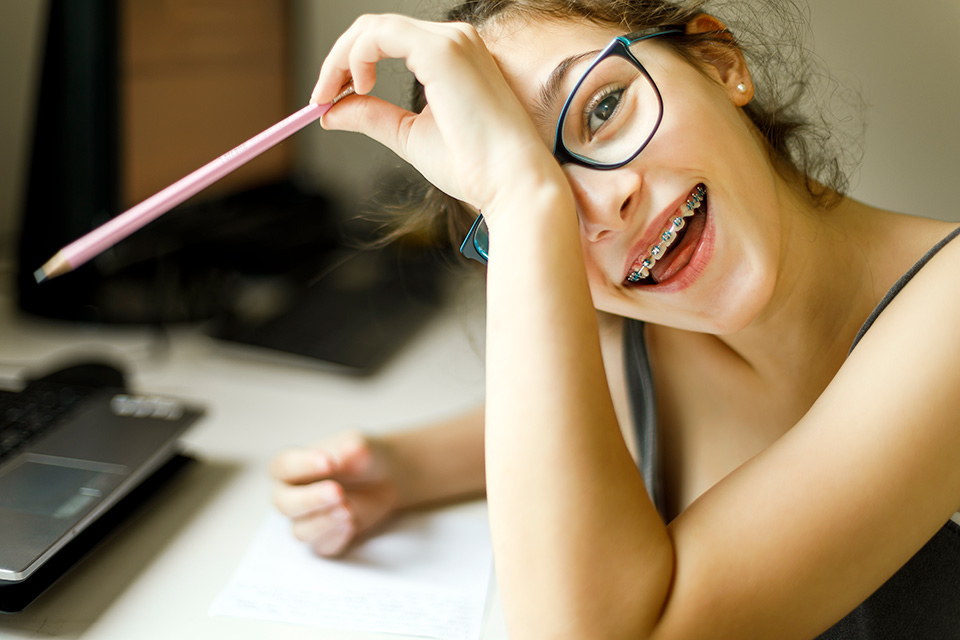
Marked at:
<point>905,59</point>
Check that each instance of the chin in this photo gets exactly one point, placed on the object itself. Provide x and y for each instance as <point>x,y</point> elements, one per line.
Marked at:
<point>723,306</point>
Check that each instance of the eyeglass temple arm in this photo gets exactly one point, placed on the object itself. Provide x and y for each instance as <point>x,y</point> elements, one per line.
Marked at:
<point>469,246</point>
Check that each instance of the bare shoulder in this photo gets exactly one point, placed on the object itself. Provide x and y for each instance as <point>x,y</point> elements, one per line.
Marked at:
<point>945,234</point>
<point>943,267</point>
<point>934,256</point>
<point>899,241</point>
<point>919,324</point>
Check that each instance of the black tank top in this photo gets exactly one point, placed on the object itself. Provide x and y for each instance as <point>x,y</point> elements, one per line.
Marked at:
<point>920,602</point>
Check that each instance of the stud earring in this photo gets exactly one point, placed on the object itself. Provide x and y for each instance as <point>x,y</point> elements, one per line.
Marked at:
<point>742,88</point>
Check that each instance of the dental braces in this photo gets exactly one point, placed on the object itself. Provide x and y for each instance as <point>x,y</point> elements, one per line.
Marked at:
<point>658,250</point>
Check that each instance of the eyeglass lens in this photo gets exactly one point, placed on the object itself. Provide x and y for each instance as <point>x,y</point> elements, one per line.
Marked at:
<point>481,239</point>
<point>611,114</point>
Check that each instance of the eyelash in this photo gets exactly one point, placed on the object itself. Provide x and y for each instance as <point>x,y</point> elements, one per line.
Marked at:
<point>594,102</point>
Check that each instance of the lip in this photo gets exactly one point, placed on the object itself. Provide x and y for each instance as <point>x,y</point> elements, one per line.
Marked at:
<point>652,235</point>
<point>690,272</point>
<point>702,253</point>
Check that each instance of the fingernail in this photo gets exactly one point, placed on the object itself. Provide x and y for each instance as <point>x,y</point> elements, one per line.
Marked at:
<point>337,538</point>
<point>348,90</point>
<point>327,493</point>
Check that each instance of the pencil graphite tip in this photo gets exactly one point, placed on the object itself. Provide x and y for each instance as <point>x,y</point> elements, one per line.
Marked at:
<point>55,266</point>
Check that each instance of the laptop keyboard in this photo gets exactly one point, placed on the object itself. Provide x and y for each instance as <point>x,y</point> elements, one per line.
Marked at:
<point>28,414</point>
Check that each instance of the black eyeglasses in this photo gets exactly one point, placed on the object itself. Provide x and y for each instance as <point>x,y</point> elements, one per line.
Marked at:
<point>609,116</point>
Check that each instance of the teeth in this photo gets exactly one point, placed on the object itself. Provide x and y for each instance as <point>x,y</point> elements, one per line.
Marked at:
<point>658,250</point>
<point>638,275</point>
<point>694,200</point>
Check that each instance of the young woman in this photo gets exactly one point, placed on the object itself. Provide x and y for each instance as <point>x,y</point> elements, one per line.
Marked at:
<point>678,441</point>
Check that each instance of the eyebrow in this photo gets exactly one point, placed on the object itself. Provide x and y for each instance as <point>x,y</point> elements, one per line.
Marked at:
<point>549,93</point>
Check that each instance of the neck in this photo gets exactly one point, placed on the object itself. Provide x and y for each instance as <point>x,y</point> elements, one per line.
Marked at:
<point>826,288</point>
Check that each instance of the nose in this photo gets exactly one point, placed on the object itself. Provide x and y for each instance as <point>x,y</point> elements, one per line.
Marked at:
<point>605,199</point>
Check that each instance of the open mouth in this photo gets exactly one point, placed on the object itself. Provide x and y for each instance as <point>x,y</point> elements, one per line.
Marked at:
<point>677,243</point>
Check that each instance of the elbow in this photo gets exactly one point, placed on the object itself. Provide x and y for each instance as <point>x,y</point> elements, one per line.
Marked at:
<point>626,602</point>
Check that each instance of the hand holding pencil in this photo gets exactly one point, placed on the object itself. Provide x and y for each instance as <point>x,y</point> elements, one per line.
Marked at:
<point>110,233</point>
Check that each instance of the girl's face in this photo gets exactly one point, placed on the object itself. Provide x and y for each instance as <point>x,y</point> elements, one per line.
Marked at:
<point>717,271</point>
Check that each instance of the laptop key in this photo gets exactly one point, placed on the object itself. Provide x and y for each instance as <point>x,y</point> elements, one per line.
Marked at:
<point>28,414</point>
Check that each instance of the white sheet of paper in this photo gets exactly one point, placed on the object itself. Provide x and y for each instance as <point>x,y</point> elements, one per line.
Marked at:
<point>428,574</point>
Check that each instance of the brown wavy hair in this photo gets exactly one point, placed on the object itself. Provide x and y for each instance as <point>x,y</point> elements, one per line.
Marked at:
<point>789,108</point>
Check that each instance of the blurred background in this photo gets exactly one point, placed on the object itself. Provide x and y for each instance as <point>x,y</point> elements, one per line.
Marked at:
<point>108,101</point>
<point>134,94</point>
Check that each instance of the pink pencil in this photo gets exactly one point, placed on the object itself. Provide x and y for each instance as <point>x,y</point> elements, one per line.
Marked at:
<point>108,234</point>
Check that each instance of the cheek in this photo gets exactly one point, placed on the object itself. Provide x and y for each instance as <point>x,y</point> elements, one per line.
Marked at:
<point>742,288</point>
<point>739,281</point>
<point>699,118</point>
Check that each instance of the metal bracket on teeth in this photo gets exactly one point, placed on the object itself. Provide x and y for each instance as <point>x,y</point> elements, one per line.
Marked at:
<point>666,237</point>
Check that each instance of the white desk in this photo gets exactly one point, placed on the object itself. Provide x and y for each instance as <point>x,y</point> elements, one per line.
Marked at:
<point>157,576</point>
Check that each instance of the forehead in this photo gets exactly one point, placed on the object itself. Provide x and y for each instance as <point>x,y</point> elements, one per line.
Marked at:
<point>528,51</point>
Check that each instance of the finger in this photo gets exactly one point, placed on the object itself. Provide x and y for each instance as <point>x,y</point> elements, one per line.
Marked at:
<point>355,454</point>
<point>378,119</point>
<point>362,61</point>
<point>337,69</point>
<point>372,38</point>
<point>302,465</point>
<point>334,541</point>
<point>334,73</point>
<point>393,36</point>
<point>346,453</point>
<point>328,534</point>
<point>295,501</point>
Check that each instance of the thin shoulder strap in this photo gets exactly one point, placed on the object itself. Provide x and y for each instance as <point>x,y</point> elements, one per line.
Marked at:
<point>900,284</point>
<point>643,405</point>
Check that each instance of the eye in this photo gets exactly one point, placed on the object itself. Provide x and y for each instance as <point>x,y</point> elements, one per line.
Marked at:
<point>601,109</point>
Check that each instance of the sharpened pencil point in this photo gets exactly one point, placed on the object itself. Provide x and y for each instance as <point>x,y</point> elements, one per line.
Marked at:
<point>55,266</point>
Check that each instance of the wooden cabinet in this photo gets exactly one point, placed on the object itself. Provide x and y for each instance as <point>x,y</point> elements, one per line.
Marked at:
<point>197,78</point>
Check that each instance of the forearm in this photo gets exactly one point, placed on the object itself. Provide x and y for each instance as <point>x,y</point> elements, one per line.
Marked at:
<point>577,541</point>
<point>441,462</point>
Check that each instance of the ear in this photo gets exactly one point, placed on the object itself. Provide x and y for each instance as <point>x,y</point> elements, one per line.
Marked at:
<point>722,56</point>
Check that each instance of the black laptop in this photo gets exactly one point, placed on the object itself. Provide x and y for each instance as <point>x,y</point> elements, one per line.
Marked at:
<point>73,446</point>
